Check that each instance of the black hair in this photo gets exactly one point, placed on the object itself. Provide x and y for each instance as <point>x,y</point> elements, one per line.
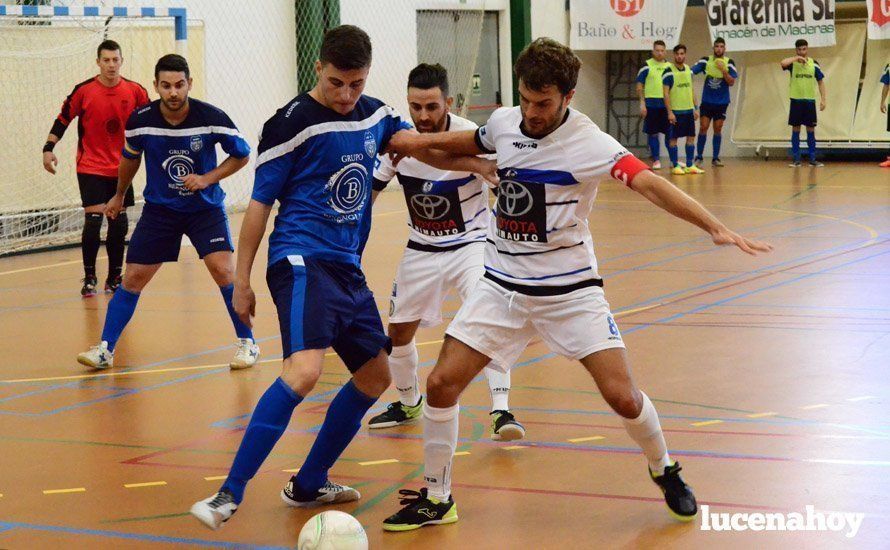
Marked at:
<point>679,47</point>
<point>107,45</point>
<point>801,42</point>
<point>346,47</point>
<point>426,76</point>
<point>719,40</point>
<point>659,43</point>
<point>172,62</point>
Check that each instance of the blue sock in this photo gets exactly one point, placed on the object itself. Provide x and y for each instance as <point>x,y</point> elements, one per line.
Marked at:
<point>795,146</point>
<point>673,153</point>
<point>340,425</point>
<point>718,141</point>
<point>811,145</point>
<point>700,145</point>
<point>654,147</point>
<point>242,330</point>
<point>690,152</point>
<point>269,419</point>
<point>120,311</point>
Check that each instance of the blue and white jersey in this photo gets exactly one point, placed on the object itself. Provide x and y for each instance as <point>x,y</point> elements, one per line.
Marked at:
<point>445,208</point>
<point>885,76</point>
<point>174,152</point>
<point>319,164</point>
<point>539,235</point>
<point>716,90</point>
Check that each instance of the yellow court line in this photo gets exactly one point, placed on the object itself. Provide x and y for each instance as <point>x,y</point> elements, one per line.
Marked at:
<point>291,471</point>
<point>60,491</point>
<point>459,453</point>
<point>376,462</point>
<point>817,406</point>
<point>707,423</point>
<point>515,447</point>
<point>637,310</point>
<point>215,478</point>
<point>761,415</point>
<point>591,438</point>
<point>151,371</point>
<point>146,484</point>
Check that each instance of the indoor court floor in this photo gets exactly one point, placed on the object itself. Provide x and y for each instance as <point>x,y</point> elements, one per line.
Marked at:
<point>770,375</point>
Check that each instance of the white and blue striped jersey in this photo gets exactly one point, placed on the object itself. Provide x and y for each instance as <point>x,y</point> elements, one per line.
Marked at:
<point>174,152</point>
<point>539,241</point>
<point>446,209</point>
<point>318,164</point>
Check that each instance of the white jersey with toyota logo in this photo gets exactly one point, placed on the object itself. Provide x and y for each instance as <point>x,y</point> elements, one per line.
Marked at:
<point>445,208</point>
<point>539,235</point>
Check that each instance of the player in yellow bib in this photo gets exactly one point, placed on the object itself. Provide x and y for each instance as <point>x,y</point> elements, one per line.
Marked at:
<point>651,93</point>
<point>682,109</point>
<point>806,76</point>
<point>885,80</point>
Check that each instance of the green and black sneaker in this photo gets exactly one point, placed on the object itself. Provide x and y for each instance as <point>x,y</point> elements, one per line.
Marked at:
<point>420,509</point>
<point>397,414</point>
<point>504,427</point>
<point>678,496</point>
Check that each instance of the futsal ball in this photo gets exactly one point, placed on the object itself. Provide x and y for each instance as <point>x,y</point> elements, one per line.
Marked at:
<point>332,530</point>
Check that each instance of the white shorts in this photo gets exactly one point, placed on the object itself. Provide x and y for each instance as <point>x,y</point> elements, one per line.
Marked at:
<point>424,279</point>
<point>500,323</point>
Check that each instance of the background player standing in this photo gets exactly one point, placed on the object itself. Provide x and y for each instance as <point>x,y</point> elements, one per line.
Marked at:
<point>720,74</point>
<point>182,197</point>
<point>682,109</point>
<point>885,80</point>
<point>448,215</point>
<point>103,104</point>
<point>806,76</point>
<point>651,93</point>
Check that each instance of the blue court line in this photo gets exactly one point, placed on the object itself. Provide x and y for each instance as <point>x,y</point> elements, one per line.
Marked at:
<point>136,536</point>
<point>797,306</point>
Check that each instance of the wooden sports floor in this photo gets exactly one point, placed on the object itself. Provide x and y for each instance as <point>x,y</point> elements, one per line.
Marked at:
<point>770,375</point>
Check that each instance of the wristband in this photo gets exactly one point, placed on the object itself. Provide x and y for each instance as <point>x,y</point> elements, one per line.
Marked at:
<point>49,146</point>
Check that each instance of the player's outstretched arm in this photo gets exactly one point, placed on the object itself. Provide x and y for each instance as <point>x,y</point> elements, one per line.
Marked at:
<point>410,143</point>
<point>126,171</point>
<point>253,227</point>
<point>663,194</point>
<point>196,182</point>
<point>788,61</point>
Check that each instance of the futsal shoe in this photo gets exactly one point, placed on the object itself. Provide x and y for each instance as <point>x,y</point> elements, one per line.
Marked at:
<point>694,170</point>
<point>97,357</point>
<point>397,414</point>
<point>699,161</point>
<point>816,164</point>
<point>330,493</point>
<point>247,355</point>
<point>656,165</point>
<point>717,163</point>
<point>678,496</point>
<point>795,164</point>
<point>112,284</point>
<point>216,510</point>
<point>678,170</point>
<point>88,290</point>
<point>420,509</point>
<point>504,427</point>
<point>885,164</point>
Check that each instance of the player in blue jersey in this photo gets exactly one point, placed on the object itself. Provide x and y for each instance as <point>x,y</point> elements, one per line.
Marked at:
<point>316,159</point>
<point>885,80</point>
<point>178,137</point>
<point>720,74</point>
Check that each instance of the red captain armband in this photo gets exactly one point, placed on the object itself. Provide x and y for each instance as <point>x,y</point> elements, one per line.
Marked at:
<point>627,168</point>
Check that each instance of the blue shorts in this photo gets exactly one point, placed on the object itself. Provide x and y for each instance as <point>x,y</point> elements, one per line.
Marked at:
<point>802,113</point>
<point>325,304</point>
<point>685,126</point>
<point>713,111</point>
<point>656,121</point>
<point>158,234</point>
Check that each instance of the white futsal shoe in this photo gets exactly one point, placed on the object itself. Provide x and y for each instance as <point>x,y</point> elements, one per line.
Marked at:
<point>216,510</point>
<point>97,357</point>
<point>247,355</point>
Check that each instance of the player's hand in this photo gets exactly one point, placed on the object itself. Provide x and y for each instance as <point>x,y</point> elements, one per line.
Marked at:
<point>403,143</point>
<point>672,118</point>
<point>822,105</point>
<point>50,162</point>
<point>643,111</point>
<point>695,114</point>
<point>195,182</point>
<point>801,59</point>
<point>883,107</point>
<point>114,206</point>
<point>721,66</point>
<point>488,169</point>
<point>244,303</point>
<point>725,236</point>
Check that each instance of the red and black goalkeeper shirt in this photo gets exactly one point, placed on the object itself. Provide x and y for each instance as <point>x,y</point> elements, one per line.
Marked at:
<point>102,113</point>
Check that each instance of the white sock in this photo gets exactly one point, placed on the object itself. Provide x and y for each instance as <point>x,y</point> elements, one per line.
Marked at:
<point>403,368</point>
<point>499,386</point>
<point>646,431</point>
<point>439,443</point>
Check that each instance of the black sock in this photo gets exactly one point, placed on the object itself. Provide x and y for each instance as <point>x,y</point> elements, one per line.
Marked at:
<point>114,244</point>
<point>90,242</point>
